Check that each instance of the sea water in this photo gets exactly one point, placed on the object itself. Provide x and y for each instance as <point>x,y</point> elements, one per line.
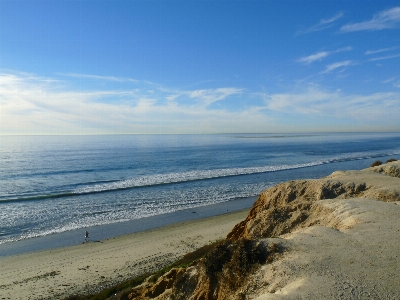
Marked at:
<point>55,184</point>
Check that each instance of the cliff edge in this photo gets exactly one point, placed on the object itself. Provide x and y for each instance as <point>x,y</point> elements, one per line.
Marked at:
<point>331,238</point>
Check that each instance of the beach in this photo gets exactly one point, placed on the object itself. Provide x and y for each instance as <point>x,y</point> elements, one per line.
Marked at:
<point>53,185</point>
<point>84,268</point>
<point>338,241</point>
<point>199,150</point>
<point>148,213</point>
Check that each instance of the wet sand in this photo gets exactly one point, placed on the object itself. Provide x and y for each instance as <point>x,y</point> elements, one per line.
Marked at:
<point>102,232</point>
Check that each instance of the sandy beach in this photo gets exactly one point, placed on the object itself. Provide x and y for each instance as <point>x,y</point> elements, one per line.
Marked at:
<point>329,238</point>
<point>57,273</point>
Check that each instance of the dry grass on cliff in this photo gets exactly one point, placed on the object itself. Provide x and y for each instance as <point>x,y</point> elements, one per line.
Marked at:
<point>225,269</point>
<point>187,260</point>
<point>376,163</point>
<point>116,292</point>
<point>230,262</point>
<point>225,265</point>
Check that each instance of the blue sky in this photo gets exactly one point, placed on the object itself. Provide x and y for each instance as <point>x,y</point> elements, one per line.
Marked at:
<point>108,66</point>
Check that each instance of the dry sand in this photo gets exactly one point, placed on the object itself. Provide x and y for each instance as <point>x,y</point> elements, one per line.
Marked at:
<point>57,273</point>
<point>358,259</point>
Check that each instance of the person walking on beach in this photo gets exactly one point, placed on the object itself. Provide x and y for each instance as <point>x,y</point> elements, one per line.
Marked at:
<point>86,236</point>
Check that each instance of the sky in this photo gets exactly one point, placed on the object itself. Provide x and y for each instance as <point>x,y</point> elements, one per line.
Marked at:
<point>196,66</point>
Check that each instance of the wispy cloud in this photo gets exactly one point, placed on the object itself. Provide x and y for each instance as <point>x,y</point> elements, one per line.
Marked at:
<point>206,97</point>
<point>369,52</point>
<point>385,57</point>
<point>394,81</point>
<point>313,57</point>
<point>97,77</point>
<point>337,65</point>
<point>315,101</point>
<point>322,25</point>
<point>321,55</point>
<point>386,19</point>
<point>107,78</point>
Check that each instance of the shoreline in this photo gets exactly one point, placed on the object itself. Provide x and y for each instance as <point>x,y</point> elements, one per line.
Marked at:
<point>89,267</point>
<point>100,232</point>
<point>351,228</point>
<point>108,231</point>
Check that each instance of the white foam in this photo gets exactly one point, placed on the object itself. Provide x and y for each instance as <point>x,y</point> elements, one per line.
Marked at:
<point>159,179</point>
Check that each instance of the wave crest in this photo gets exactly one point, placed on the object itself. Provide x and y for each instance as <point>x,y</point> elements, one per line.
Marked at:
<point>169,178</point>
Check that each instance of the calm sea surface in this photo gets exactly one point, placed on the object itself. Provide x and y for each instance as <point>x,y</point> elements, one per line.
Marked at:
<point>53,184</point>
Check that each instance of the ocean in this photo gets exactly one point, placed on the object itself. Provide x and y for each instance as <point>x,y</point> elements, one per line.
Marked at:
<point>54,185</point>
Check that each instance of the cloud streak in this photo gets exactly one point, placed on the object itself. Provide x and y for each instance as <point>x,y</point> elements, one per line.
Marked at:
<point>337,65</point>
<point>369,52</point>
<point>321,55</point>
<point>385,57</point>
<point>315,101</point>
<point>314,57</point>
<point>207,97</point>
<point>386,19</point>
<point>98,77</point>
<point>322,25</point>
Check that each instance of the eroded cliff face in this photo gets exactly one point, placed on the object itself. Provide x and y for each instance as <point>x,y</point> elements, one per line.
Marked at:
<point>286,206</point>
<point>226,272</point>
<point>220,274</point>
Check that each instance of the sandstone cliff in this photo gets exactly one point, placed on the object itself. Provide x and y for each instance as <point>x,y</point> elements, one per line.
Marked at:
<point>320,239</point>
